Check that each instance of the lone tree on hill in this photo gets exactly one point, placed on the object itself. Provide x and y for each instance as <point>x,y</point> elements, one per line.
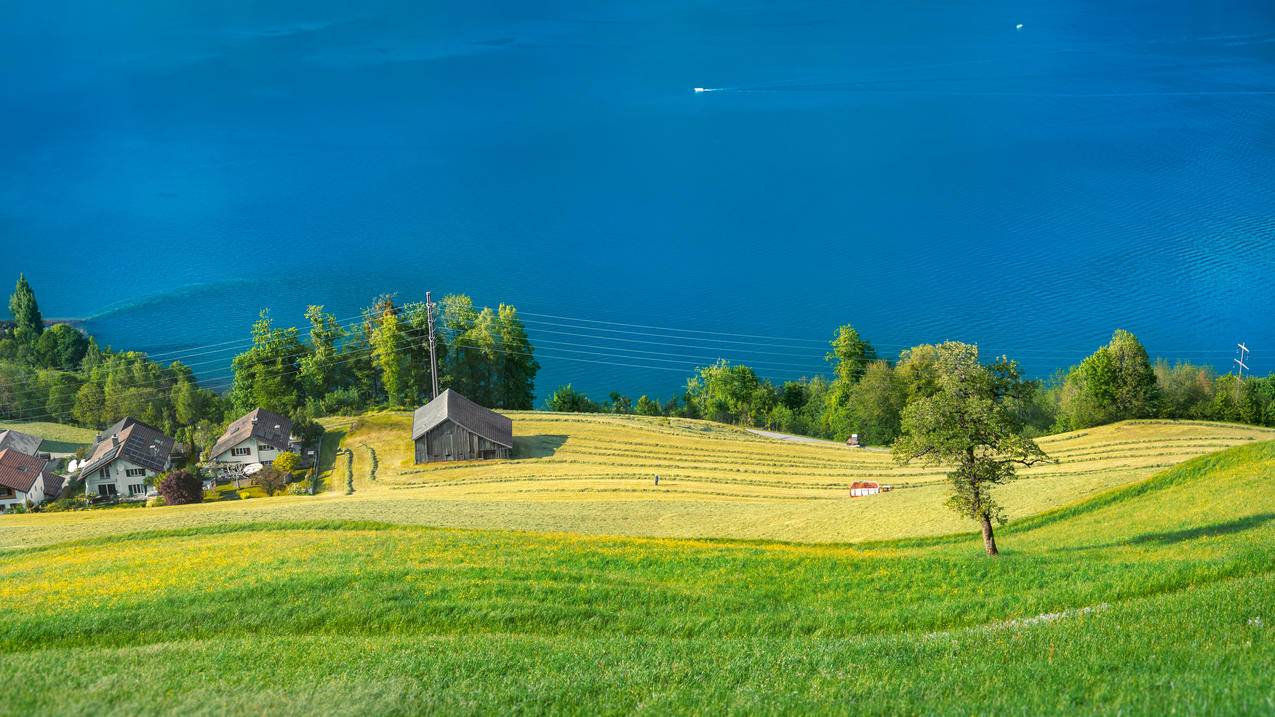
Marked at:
<point>971,417</point>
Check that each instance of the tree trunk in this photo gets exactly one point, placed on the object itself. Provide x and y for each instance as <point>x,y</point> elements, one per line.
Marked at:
<point>989,540</point>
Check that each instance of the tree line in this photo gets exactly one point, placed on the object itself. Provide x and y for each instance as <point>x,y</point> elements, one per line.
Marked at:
<point>867,394</point>
<point>383,361</point>
<point>59,373</point>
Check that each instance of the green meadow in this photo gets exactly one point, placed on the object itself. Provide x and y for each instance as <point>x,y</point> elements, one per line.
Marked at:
<point>1148,598</point>
<point>58,437</point>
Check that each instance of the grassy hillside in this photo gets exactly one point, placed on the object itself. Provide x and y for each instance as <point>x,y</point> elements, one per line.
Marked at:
<point>595,474</point>
<point>1147,598</point>
<point>58,437</point>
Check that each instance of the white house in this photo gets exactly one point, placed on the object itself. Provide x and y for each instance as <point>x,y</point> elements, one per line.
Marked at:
<point>258,436</point>
<point>864,488</point>
<point>123,457</point>
<point>25,480</point>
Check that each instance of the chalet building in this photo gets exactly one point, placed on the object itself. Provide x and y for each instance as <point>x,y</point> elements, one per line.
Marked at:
<point>20,442</point>
<point>454,428</point>
<point>123,457</point>
<point>258,436</point>
<point>25,480</point>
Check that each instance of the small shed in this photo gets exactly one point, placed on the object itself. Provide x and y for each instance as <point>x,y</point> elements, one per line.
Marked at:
<point>454,428</point>
<point>862,488</point>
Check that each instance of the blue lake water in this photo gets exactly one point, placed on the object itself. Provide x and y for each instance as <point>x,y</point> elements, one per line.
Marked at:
<point>922,170</point>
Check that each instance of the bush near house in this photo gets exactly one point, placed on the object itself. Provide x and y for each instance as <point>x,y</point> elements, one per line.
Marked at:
<point>180,487</point>
<point>272,480</point>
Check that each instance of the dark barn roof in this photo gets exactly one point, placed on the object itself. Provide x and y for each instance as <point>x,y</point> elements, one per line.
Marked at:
<point>454,407</point>
<point>53,485</point>
<point>259,423</point>
<point>21,442</point>
<point>132,440</point>
<point>19,470</point>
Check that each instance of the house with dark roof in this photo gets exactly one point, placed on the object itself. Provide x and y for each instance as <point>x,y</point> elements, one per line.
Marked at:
<point>21,442</point>
<point>454,428</point>
<point>25,480</point>
<point>123,457</point>
<point>258,436</point>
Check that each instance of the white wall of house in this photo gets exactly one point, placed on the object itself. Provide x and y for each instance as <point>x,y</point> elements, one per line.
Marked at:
<point>129,480</point>
<point>250,450</point>
<point>10,497</point>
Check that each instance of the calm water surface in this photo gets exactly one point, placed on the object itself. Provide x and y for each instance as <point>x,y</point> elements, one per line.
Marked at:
<point>922,170</point>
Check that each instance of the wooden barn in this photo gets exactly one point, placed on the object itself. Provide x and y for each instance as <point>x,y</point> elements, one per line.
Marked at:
<point>454,428</point>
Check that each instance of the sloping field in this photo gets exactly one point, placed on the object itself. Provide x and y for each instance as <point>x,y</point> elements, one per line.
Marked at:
<point>58,437</point>
<point>596,474</point>
<point>1149,599</point>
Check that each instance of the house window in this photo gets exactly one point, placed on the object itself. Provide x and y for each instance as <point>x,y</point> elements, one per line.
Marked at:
<point>105,472</point>
<point>106,490</point>
<point>240,451</point>
<point>135,472</point>
<point>136,489</point>
<point>264,447</point>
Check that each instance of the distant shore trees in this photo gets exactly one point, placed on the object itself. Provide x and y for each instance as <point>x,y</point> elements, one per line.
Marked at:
<point>868,394</point>
<point>383,361</point>
<point>60,374</point>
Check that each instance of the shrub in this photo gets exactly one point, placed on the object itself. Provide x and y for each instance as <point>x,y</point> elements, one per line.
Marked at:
<point>373,464</point>
<point>349,472</point>
<point>302,488</point>
<point>272,480</point>
<point>155,502</point>
<point>75,501</point>
<point>286,461</point>
<point>180,487</point>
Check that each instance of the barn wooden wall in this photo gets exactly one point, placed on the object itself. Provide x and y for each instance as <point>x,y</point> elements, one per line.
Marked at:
<point>449,441</point>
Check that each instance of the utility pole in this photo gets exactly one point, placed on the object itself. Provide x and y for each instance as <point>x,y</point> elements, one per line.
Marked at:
<point>433,363</point>
<point>1243,355</point>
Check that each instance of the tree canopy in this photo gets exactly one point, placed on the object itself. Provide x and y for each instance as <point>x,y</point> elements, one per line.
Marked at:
<point>970,418</point>
<point>28,324</point>
<point>1115,383</point>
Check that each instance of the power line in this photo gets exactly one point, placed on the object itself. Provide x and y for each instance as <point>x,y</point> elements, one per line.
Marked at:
<point>346,358</point>
<point>668,328</point>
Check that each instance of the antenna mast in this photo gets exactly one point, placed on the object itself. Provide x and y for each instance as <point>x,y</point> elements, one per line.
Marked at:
<point>433,363</point>
<point>1243,355</point>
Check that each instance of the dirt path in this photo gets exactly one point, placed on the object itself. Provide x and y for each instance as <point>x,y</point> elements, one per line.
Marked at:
<point>790,437</point>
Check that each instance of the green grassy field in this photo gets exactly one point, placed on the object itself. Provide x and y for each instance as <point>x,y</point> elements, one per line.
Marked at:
<point>1153,598</point>
<point>1152,594</point>
<point>58,437</point>
<point>595,475</point>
